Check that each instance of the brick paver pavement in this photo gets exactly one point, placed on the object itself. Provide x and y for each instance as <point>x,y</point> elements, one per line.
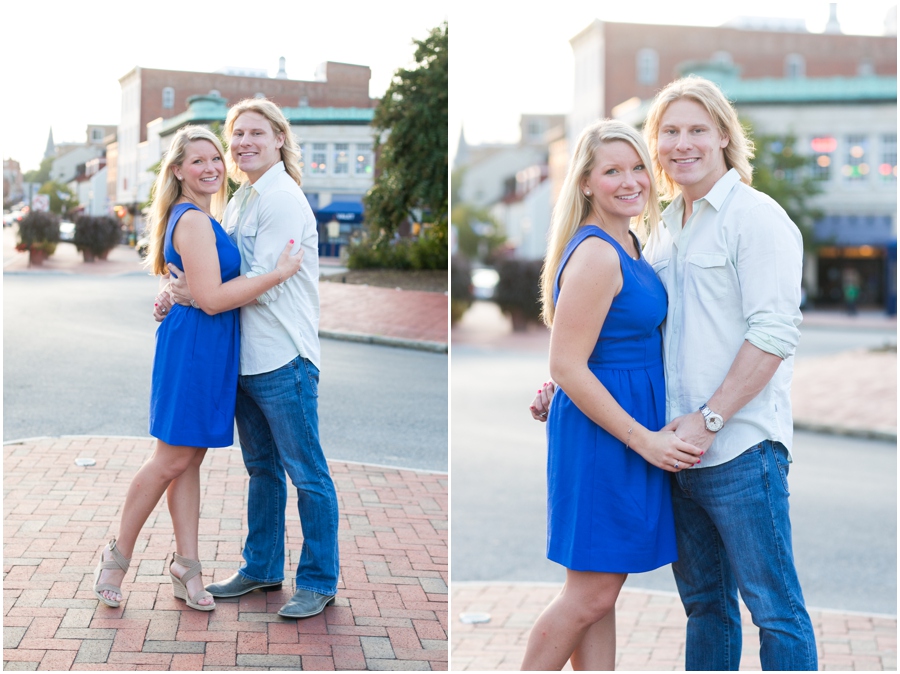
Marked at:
<point>650,631</point>
<point>390,612</point>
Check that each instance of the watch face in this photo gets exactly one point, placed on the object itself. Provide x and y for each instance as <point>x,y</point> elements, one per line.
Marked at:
<point>714,422</point>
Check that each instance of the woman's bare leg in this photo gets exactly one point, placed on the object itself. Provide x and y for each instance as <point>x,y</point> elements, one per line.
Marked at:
<point>597,650</point>
<point>183,497</point>
<point>586,598</point>
<point>148,485</point>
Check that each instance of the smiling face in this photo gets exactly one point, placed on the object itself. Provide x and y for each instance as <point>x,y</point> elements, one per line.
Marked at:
<point>619,183</point>
<point>255,145</point>
<point>202,171</point>
<point>690,148</point>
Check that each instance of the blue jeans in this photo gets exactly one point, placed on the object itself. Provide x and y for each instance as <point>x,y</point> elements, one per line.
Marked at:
<point>733,530</point>
<point>278,425</point>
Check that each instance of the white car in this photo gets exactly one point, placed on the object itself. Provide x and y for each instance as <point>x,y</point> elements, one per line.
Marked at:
<point>9,219</point>
<point>66,230</point>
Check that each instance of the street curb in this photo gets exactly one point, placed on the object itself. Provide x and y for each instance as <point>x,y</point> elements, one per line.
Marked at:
<point>419,345</point>
<point>66,272</point>
<point>889,435</point>
<point>19,441</point>
<point>457,584</point>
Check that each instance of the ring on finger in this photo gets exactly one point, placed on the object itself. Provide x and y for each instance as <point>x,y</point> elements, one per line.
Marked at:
<point>676,465</point>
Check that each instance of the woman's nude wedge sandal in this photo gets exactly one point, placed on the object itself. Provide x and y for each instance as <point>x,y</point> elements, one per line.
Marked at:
<point>117,562</point>
<point>179,585</point>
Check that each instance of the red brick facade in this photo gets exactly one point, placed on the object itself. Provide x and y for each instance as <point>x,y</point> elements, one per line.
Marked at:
<point>347,86</point>
<point>756,53</point>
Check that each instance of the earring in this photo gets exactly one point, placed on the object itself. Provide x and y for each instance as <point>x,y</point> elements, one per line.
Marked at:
<point>588,193</point>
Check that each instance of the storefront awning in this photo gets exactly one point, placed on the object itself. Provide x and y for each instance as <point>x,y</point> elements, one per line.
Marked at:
<point>342,211</point>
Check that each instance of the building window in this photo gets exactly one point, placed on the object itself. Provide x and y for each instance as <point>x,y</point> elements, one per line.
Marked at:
<point>168,95</point>
<point>647,66</point>
<point>341,158</point>
<point>856,165</point>
<point>317,165</point>
<point>865,68</point>
<point>888,166</point>
<point>794,66</point>
<point>823,148</point>
<point>97,135</point>
<point>535,129</point>
<point>722,57</point>
<point>304,101</point>
<point>363,159</point>
<point>259,94</point>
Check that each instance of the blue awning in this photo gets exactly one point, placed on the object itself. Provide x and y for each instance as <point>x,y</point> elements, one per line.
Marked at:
<point>342,211</point>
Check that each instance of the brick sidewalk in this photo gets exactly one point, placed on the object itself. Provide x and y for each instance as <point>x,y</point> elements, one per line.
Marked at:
<point>650,631</point>
<point>390,612</point>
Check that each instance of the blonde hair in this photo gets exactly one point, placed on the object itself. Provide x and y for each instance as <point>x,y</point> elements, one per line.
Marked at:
<point>290,150</point>
<point>167,190</point>
<point>740,148</point>
<point>573,208</point>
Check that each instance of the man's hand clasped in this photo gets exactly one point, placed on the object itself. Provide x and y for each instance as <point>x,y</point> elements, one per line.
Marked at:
<point>677,446</point>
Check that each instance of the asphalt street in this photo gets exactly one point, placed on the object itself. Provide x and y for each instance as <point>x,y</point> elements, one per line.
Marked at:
<point>843,490</point>
<point>77,355</point>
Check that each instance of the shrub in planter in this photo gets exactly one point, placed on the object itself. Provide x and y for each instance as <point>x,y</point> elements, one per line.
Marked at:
<point>39,230</point>
<point>518,291</point>
<point>110,235</point>
<point>460,287</point>
<point>96,235</point>
<point>38,234</point>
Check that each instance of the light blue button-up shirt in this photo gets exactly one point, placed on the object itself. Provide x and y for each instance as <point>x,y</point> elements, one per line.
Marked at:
<point>732,274</point>
<point>262,218</point>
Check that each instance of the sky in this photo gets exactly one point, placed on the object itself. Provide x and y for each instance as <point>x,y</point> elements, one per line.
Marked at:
<point>504,63</point>
<point>62,61</point>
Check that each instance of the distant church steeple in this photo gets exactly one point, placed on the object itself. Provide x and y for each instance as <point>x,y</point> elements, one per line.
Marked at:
<point>51,146</point>
<point>462,150</point>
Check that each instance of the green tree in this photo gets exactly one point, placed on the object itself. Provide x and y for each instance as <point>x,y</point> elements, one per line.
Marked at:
<point>411,145</point>
<point>40,175</point>
<point>782,173</point>
<point>62,199</point>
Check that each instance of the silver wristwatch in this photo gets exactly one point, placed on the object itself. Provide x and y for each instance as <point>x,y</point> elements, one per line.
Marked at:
<point>714,422</point>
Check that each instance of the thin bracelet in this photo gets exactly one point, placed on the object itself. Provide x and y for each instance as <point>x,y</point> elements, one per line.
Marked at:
<point>628,444</point>
<point>280,277</point>
<point>194,303</point>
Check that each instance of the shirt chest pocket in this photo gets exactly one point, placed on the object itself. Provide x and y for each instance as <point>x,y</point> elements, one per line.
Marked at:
<point>247,236</point>
<point>707,275</point>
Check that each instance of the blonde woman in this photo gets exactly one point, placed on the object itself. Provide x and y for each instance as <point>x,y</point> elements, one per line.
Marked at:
<point>609,506</point>
<point>277,409</point>
<point>195,367</point>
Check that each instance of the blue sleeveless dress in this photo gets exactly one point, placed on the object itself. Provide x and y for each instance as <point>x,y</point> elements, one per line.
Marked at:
<point>195,368</point>
<point>607,508</point>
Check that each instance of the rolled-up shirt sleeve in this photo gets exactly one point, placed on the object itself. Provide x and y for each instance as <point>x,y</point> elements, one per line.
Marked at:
<point>770,267</point>
<point>280,218</point>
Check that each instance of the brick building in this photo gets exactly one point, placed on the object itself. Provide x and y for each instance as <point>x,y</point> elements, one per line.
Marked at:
<point>149,94</point>
<point>615,62</point>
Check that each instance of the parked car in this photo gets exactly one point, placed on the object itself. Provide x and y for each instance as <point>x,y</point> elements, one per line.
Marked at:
<point>9,219</point>
<point>66,230</point>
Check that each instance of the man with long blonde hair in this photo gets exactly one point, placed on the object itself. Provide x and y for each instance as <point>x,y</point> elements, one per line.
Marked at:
<point>731,261</point>
<point>277,408</point>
